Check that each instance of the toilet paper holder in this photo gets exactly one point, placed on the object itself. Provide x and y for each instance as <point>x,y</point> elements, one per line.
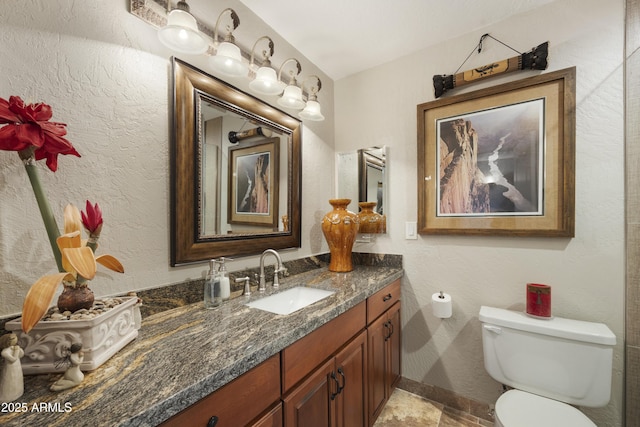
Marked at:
<point>441,305</point>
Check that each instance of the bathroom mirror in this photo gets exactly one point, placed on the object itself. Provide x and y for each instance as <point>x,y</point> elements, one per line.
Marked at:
<point>362,177</point>
<point>235,164</point>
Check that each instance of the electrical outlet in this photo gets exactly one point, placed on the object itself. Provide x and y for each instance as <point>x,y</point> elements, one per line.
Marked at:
<point>410,230</point>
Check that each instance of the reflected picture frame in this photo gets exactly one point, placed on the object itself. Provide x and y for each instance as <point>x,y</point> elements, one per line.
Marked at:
<point>500,160</point>
<point>253,183</point>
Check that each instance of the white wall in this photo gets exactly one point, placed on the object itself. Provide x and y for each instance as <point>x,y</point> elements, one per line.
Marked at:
<point>107,76</point>
<point>586,273</point>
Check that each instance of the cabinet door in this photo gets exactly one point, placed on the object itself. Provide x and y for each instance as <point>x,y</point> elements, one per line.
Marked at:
<point>310,404</point>
<point>272,419</point>
<point>394,344</point>
<point>377,376</point>
<point>351,372</point>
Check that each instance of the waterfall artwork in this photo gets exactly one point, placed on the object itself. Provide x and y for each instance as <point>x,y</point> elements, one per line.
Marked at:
<point>500,160</point>
<point>491,162</point>
<point>253,190</point>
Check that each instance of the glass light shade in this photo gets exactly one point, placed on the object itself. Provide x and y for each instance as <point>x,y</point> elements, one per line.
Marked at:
<point>312,111</point>
<point>228,60</point>
<point>181,33</point>
<point>292,97</point>
<point>266,82</point>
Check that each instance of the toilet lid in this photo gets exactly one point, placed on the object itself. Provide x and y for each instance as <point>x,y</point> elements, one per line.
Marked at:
<point>521,409</point>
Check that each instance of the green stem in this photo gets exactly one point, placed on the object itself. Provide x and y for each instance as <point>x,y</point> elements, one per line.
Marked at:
<point>45,211</point>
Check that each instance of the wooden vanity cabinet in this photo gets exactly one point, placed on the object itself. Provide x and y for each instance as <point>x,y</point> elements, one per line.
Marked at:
<point>383,347</point>
<point>239,402</point>
<point>332,364</point>
<point>340,375</point>
<point>334,394</point>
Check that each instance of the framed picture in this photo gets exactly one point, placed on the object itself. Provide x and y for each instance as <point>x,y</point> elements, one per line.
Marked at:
<point>501,160</point>
<point>253,183</point>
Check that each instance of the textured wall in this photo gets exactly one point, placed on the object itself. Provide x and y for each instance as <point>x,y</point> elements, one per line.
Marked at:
<point>107,76</point>
<point>587,272</point>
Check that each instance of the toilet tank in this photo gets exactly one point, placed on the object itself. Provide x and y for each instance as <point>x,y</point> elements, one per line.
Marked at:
<point>562,359</point>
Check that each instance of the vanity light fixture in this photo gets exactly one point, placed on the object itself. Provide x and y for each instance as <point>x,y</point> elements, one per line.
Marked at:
<point>228,57</point>
<point>181,32</point>
<point>265,81</point>
<point>292,96</point>
<point>312,109</point>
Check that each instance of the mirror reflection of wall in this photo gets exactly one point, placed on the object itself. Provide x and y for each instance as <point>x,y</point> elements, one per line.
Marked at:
<point>215,185</point>
<point>211,176</point>
<point>372,162</point>
<point>348,186</point>
<point>362,177</point>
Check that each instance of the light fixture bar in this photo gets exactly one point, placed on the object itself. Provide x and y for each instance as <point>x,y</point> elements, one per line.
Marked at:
<point>156,13</point>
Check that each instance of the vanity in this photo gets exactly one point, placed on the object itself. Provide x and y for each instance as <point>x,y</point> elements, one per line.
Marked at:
<point>245,365</point>
<point>341,374</point>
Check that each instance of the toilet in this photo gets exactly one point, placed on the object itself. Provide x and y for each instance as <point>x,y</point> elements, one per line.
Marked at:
<point>550,364</point>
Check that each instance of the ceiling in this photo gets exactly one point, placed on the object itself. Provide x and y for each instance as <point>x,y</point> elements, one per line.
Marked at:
<point>344,37</point>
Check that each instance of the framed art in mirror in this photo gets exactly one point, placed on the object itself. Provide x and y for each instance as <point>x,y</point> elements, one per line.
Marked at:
<point>500,161</point>
<point>211,165</point>
<point>253,187</point>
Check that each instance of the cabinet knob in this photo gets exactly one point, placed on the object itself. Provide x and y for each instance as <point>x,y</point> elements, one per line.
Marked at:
<point>212,421</point>
<point>387,297</point>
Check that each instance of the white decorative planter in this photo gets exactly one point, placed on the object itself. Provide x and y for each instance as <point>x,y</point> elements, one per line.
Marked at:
<point>101,338</point>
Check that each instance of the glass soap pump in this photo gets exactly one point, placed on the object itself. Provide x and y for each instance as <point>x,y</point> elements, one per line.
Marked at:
<point>212,294</point>
<point>225,287</point>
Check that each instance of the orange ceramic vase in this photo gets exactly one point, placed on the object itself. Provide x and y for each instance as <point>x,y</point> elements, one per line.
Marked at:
<point>340,228</point>
<point>370,221</point>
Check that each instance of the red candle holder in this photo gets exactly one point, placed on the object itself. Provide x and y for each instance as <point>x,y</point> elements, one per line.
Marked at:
<point>538,300</point>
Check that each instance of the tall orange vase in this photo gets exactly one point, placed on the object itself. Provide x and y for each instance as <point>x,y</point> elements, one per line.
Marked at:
<point>340,228</point>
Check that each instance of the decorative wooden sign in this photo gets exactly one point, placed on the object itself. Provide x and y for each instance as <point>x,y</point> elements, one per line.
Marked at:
<point>536,59</point>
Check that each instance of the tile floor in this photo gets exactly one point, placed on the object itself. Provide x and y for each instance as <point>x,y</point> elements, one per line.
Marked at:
<point>405,409</point>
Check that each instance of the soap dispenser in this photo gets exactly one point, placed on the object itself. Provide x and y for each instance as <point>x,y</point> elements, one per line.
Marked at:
<point>225,287</point>
<point>212,295</point>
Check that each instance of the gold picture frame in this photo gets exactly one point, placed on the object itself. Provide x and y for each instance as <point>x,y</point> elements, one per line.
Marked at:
<point>501,160</point>
<point>253,183</point>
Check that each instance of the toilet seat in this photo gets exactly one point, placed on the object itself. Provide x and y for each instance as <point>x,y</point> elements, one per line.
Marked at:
<point>517,408</point>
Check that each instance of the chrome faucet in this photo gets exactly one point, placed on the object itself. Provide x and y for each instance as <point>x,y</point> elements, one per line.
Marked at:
<point>280,268</point>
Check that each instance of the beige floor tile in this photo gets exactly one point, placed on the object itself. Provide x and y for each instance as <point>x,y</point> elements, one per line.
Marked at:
<point>408,410</point>
<point>405,409</point>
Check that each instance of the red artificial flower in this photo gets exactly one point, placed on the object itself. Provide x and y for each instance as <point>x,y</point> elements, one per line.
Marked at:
<point>29,126</point>
<point>92,220</point>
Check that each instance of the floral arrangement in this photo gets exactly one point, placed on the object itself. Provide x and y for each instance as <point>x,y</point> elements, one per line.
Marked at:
<point>28,131</point>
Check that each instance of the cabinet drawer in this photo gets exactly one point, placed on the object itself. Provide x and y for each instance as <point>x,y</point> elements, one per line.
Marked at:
<point>382,300</point>
<point>303,356</point>
<point>238,402</point>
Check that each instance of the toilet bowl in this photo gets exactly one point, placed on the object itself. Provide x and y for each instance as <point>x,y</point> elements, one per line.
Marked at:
<point>550,364</point>
<point>517,408</point>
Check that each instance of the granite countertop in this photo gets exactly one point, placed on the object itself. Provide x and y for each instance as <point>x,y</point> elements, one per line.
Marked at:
<point>183,354</point>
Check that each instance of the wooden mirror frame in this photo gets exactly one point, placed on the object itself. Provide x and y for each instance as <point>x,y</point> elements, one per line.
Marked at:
<point>186,244</point>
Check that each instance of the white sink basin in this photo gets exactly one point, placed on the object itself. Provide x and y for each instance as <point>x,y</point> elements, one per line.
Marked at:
<point>286,302</point>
